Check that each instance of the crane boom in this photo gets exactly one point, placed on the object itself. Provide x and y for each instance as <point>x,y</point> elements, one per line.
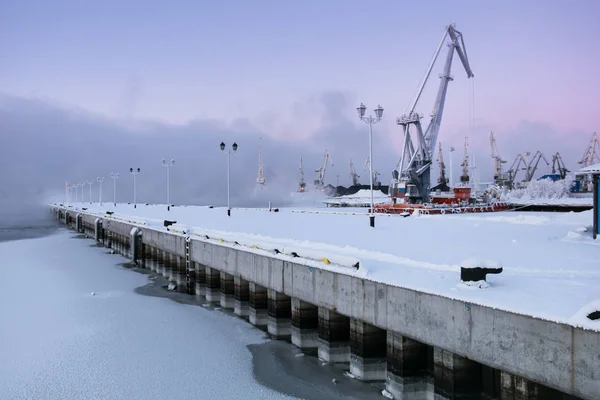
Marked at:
<point>416,158</point>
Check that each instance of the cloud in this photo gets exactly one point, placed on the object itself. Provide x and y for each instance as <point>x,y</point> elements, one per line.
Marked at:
<point>45,144</point>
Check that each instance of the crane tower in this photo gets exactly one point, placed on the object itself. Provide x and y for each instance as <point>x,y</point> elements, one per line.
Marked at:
<point>501,178</point>
<point>260,180</point>
<point>413,175</point>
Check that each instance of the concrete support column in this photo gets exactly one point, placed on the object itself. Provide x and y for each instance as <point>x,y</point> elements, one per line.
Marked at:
<point>160,261</point>
<point>407,368</point>
<point>227,291</point>
<point>190,278</point>
<point>516,388</point>
<point>279,320</point>
<point>152,259</point>
<point>241,296</point>
<point>258,302</point>
<point>455,377</point>
<point>181,274</point>
<point>213,285</point>
<point>334,337</point>
<point>172,272</point>
<point>305,324</point>
<point>144,260</point>
<point>200,279</point>
<point>368,346</point>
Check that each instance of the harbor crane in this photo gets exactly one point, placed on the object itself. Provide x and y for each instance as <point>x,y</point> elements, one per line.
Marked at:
<point>558,166</point>
<point>592,153</point>
<point>353,174</point>
<point>516,167</point>
<point>464,177</point>
<point>501,178</point>
<point>320,181</point>
<point>375,173</point>
<point>301,184</point>
<point>412,178</point>
<point>533,164</point>
<point>442,180</point>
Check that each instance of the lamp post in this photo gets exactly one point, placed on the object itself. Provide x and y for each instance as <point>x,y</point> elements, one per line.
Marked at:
<point>90,183</point>
<point>134,172</point>
<point>114,177</point>
<point>233,149</point>
<point>100,179</point>
<point>168,165</point>
<point>370,120</point>
<point>82,186</point>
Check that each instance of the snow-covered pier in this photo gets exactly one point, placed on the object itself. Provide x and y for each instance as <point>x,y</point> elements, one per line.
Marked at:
<point>389,314</point>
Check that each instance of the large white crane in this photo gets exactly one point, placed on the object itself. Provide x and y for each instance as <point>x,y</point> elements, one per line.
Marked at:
<point>442,180</point>
<point>501,178</point>
<point>320,181</point>
<point>353,174</point>
<point>413,174</point>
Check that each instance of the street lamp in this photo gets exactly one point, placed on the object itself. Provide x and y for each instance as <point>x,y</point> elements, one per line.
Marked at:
<point>90,183</point>
<point>233,149</point>
<point>134,172</point>
<point>114,177</point>
<point>82,186</point>
<point>100,180</point>
<point>168,165</point>
<point>370,120</point>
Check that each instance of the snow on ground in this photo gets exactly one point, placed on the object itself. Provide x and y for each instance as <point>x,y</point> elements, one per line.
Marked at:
<point>362,198</point>
<point>551,263</point>
<point>71,327</point>
<point>547,192</point>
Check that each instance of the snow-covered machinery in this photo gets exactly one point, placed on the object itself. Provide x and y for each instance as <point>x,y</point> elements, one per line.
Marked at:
<point>412,177</point>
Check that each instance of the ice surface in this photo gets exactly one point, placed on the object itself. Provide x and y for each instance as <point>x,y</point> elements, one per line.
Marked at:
<point>548,272</point>
<point>71,327</point>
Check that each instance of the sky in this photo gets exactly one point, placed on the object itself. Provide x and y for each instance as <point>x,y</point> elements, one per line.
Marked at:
<point>293,73</point>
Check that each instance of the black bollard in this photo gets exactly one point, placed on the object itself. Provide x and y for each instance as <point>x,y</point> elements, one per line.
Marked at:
<point>228,212</point>
<point>372,221</point>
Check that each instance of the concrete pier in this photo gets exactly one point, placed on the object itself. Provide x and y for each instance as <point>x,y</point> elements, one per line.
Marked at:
<point>227,290</point>
<point>407,368</point>
<point>258,303</point>
<point>305,324</point>
<point>200,279</point>
<point>241,296</point>
<point>279,320</point>
<point>333,337</point>
<point>455,377</point>
<point>479,351</point>
<point>368,346</point>
<point>213,285</point>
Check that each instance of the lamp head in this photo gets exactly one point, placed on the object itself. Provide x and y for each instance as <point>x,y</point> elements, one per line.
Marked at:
<point>361,110</point>
<point>222,146</point>
<point>379,111</point>
<point>234,146</point>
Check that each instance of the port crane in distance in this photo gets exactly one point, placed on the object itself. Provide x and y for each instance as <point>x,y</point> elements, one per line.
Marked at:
<point>412,177</point>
